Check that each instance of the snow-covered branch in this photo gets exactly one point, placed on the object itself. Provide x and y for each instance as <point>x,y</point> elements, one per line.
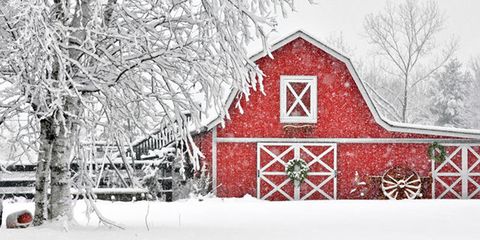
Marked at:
<point>123,68</point>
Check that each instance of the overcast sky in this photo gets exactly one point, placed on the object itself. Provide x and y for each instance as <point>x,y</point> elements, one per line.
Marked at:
<point>347,16</point>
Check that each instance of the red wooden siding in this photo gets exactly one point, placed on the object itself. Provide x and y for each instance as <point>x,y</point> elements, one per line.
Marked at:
<point>237,169</point>
<point>204,143</point>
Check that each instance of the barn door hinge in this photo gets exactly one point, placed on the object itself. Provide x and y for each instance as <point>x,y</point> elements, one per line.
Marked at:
<point>334,173</point>
<point>258,173</point>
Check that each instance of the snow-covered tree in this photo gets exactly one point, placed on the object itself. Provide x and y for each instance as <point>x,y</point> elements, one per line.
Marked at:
<point>474,96</point>
<point>73,65</point>
<point>448,105</point>
<point>403,36</point>
<point>337,41</point>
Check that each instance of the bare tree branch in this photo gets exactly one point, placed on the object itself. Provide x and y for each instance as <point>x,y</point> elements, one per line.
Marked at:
<point>404,34</point>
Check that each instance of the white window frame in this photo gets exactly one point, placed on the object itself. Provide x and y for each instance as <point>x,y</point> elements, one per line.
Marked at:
<point>311,110</point>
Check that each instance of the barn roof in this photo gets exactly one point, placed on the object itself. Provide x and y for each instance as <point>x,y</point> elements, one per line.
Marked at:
<point>382,121</point>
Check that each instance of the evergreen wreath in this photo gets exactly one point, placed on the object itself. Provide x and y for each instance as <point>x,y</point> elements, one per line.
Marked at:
<point>298,174</point>
<point>433,149</point>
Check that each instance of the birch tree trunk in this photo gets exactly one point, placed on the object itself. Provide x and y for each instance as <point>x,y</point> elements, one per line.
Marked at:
<point>43,172</point>
<point>62,149</point>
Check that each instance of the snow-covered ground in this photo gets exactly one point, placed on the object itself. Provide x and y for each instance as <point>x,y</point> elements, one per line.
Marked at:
<point>249,218</point>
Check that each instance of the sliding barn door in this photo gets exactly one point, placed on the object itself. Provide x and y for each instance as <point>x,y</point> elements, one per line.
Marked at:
<point>273,182</point>
<point>458,177</point>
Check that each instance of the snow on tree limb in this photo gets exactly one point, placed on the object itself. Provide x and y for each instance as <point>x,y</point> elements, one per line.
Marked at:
<point>121,69</point>
<point>131,56</point>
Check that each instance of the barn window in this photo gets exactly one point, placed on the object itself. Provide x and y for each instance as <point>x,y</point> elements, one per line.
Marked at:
<point>298,99</point>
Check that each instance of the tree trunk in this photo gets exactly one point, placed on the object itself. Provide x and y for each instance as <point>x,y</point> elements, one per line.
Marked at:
<point>62,149</point>
<point>42,172</point>
<point>405,100</point>
<point>60,198</point>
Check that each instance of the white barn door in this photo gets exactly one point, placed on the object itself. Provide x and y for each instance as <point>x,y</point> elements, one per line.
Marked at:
<point>273,183</point>
<point>458,177</point>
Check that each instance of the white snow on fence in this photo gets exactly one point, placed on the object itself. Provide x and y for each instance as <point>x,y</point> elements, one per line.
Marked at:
<point>17,176</point>
<point>31,190</point>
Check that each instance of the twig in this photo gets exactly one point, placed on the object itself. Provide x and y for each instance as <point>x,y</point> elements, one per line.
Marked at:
<point>117,171</point>
<point>146,216</point>
<point>100,215</point>
<point>124,159</point>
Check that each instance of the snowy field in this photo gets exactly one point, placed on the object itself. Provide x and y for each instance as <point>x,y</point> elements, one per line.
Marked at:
<point>248,218</point>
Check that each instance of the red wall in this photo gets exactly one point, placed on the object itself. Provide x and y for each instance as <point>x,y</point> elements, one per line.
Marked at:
<point>372,160</point>
<point>342,113</point>
<point>237,167</point>
<point>204,143</point>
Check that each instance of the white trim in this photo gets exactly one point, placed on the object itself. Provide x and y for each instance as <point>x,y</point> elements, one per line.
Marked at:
<point>335,171</point>
<point>385,123</point>
<point>310,111</point>
<point>214,161</point>
<point>348,140</point>
<point>258,171</point>
<point>433,180</point>
<point>464,172</point>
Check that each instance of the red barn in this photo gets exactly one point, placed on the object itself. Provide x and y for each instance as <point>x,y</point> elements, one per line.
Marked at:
<point>316,110</point>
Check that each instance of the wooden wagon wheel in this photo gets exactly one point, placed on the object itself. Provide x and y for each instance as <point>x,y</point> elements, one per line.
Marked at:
<point>401,183</point>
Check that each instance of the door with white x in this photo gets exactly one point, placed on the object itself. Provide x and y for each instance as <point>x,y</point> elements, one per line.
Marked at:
<point>458,177</point>
<point>273,182</point>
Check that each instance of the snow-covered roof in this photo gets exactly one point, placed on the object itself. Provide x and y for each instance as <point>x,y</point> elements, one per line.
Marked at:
<point>382,121</point>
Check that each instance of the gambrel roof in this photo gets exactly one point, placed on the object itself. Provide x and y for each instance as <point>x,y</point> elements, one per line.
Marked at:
<point>382,121</point>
